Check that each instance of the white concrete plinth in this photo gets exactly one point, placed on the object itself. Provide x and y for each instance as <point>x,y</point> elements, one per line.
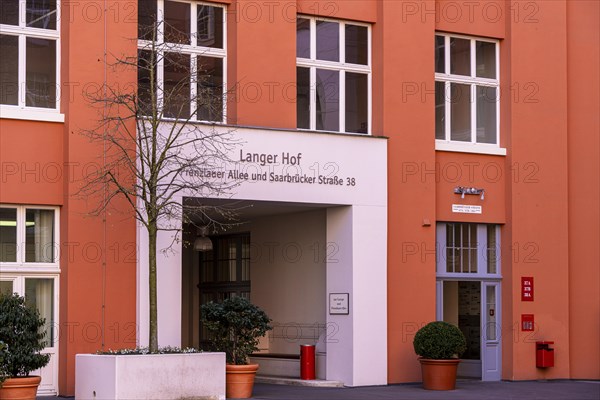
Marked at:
<point>155,376</point>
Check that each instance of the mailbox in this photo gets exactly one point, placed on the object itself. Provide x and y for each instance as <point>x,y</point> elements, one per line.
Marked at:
<point>544,355</point>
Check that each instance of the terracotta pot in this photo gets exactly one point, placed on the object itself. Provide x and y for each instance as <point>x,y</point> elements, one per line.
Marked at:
<point>24,388</point>
<point>439,374</point>
<point>240,380</point>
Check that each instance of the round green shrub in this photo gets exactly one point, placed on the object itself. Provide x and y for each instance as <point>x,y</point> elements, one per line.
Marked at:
<point>21,330</point>
<point>439,340</point>
<point>3,372</point>
<point>235,326</point>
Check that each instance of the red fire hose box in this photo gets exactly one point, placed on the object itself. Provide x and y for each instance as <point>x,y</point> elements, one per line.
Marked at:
<point>307,361</point>
<point>544,355</point>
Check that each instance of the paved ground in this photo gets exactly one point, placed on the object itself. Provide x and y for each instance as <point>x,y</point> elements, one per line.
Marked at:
<point>465,390</point>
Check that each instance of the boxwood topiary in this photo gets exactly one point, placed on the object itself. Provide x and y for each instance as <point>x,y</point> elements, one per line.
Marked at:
<point>22,333</point>
<point>439,340</point>
<point>235,326</point>
<point>3,373</point>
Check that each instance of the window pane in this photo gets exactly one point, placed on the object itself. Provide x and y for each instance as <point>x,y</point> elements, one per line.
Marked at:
<point>177,22</point>
<point>303,97</point>
<point>440,110</point>
<point>486,114</point>
<point>328,100</point>
<point>41,14</point>
<point>9,70</point>
<point>490,308</point>
<point>8,235</point>
<point>440,55</point>
<point>41,73</point>
<point>303,38</point>
<point>6,287</point>
<point>357,98</point>
<point>210,89</point>
<point>39,236</point>
<point>328,41</point>
<point>9,12</point>
<point>177,86</point>
<point>39,293</point>
<point>357,44</point>
<point>460,56</point>
<point>144,84</point>
<point>460,112</point>
<point>210,26</point>
<point>146,19</point>
<point>491,249</point>
<point>486,59</point>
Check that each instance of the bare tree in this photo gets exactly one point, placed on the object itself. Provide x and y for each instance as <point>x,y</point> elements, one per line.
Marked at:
<point>154,151</point>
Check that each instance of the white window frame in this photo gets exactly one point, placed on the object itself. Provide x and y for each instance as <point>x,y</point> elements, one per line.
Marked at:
<point>21,110</point>
<point>20,265</point>
<point>313,64</point>
<point>473,81</point>
<point>481,254</point>
<point>193,50</point>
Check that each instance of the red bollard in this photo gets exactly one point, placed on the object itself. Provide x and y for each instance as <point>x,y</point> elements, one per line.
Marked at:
<point>307,361</point>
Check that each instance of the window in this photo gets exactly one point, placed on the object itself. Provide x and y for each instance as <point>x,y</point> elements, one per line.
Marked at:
<point>333,75</point>
<point>29,66</point>
<point>467,94</point>
<point>28,237</point>
<point>186,63</point>
<point>224,272</point>
<point>468,249</point>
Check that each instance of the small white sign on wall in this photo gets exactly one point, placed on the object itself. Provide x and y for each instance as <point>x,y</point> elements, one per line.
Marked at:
<point>466,209</point>
<point>339,304</point>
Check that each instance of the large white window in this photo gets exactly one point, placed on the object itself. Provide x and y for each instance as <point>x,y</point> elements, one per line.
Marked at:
<point>29,266</point>
<point>333,75</point>
<point>186,43</point>
<point>29,61</point>
<point>467,94</point>
<point>468,250</point>
<point>28,238</point>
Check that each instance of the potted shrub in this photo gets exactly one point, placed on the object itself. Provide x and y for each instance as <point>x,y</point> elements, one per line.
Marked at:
<point>21,331</point>
<point>235,326</point>
<point>439,345</point>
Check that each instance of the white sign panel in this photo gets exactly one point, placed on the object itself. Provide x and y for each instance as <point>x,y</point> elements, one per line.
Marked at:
<point>299,167</point>
<point>338,303</point>
<point>466,209</point>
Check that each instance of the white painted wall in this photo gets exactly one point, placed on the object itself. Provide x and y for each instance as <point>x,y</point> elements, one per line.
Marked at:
<point>288,277</point>
<point>357,343</point>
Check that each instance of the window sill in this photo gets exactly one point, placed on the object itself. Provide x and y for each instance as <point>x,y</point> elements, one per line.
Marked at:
<point>463,147</point>
<point>31,114</point>
<point>20,268</point>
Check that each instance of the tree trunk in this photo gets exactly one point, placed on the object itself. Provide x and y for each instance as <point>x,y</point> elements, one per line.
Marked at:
<point>152,236</point>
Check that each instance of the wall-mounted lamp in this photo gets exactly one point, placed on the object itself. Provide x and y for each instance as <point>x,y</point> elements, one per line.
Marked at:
<point>203,242</point>
<point>468,190</point>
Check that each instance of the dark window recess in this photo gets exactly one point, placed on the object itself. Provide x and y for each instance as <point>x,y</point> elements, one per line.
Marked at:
<point>357,44</point>
<point>9,70</point>
<point>303,97</point>
<point>224,272</point>
<point>146,19</point>
<point>210,89</point>
<point>176,92</point>
<point>357,102</point>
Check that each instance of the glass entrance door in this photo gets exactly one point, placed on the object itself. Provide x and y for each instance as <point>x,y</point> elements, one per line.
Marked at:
<point>473,306</point>
<point>491,335</point>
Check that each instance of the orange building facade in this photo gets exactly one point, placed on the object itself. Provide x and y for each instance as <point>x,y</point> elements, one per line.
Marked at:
<point>486,212</point>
